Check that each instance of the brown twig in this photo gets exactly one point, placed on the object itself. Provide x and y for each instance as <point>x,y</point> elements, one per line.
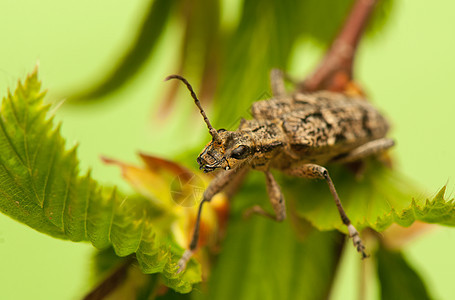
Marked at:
<point>110,283</point>
<point>335,71</point>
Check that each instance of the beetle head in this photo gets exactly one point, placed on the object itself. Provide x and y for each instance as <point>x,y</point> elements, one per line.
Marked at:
<point>231,150</point>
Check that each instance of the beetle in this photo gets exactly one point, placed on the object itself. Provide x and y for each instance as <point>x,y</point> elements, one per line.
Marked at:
<point>296,134</point>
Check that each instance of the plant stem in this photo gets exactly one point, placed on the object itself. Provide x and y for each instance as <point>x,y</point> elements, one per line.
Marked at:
<point>335,70</point>
<point>110,283</point>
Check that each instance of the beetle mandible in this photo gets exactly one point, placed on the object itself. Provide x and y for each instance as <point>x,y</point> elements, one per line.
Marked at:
<point>296,134</point>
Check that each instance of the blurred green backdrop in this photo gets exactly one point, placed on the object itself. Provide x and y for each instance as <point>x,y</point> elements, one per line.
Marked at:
<point>407,68</point>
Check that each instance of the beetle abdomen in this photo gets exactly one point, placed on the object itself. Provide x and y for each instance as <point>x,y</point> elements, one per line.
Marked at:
<point>324,122</point>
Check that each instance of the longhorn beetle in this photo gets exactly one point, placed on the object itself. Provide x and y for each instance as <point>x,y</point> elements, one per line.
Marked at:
<point>296,134</point>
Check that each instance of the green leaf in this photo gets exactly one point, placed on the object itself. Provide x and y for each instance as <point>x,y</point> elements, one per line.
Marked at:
<point>124,281</point>
<point>438,210</point>
<point>171,295</point>
<point>262,40</point>
<point>397,278</point>
<point>263,259</point>
<point>40,186</point>
<point>137,54</point>
<point>378,199</point>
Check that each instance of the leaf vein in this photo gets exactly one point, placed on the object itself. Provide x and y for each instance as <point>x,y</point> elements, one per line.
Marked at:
<point>13,108</point>
<point>112,216</point>
<point>65,200</point>
<point>144,218</point>
<point>87,204</point>
<point>10,142</point>
<point>48,177</point>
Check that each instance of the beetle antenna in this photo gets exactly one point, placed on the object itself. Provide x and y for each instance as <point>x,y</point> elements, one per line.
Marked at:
<point>212,130</point>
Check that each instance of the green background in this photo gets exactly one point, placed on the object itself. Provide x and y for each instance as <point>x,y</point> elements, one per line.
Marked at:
<point>408,69</point>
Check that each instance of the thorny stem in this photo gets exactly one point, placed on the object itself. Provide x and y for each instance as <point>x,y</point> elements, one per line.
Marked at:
<point>335,70</point>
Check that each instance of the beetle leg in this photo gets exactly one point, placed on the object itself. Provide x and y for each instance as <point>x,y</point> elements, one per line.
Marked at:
<point>319,172</point>
<point>228,180</point>
<point>277,80</point>
<point>276,199</point>
<point>288,150</point>
<point>277,83</point>
<point>368,149</point>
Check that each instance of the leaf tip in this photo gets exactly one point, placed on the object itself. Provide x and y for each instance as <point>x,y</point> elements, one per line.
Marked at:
<point>440,195</point>
<point>33,76</point>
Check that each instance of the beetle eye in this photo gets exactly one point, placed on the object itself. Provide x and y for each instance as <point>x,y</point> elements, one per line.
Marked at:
<point>240,152</point>
<point>221,130</point>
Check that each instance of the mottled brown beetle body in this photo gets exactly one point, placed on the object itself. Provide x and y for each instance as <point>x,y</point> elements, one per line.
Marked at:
<point>321,126</point>
<point>295,134</point>
<point>302,128</point>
